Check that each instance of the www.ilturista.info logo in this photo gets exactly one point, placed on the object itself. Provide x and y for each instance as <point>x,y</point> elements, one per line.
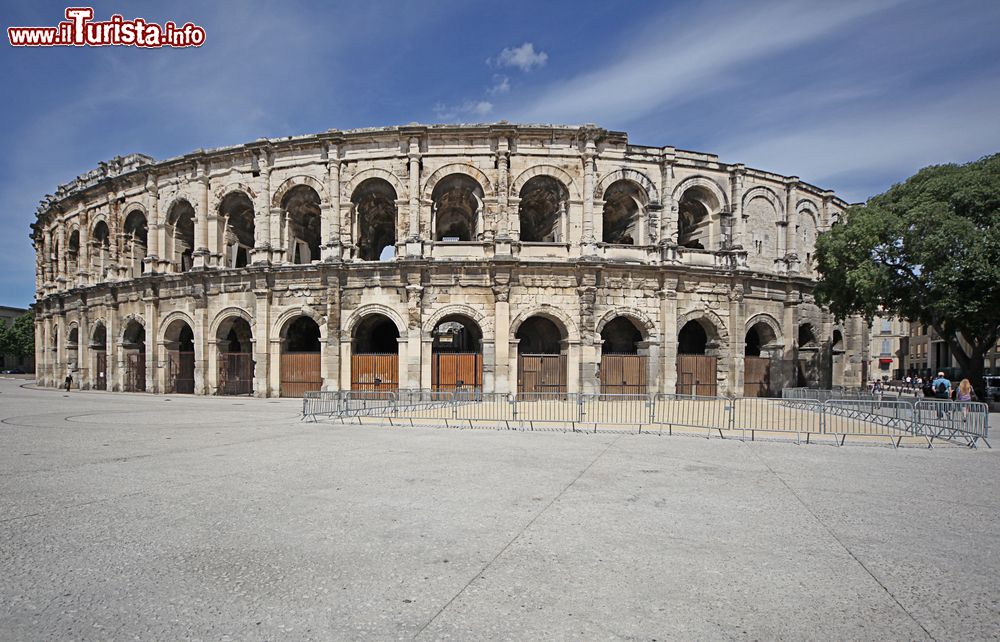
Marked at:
<point>79,30</point>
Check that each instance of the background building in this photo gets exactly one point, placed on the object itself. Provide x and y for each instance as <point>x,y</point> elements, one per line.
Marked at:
<point>12,361</point>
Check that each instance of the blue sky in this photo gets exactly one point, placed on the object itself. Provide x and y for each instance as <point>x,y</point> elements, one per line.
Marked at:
<point>852,96</point>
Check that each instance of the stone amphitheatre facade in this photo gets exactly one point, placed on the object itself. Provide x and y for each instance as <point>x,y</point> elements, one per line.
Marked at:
<point>507,258</point>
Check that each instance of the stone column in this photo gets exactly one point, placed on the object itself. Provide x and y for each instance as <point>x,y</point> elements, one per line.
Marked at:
<point>502,371</point>
<point>153,356</point>
<point>331,216</point>
<point>737,339</point>
<point>83,351</point>
<point>414,300</point>
<point>154,225</point>
<point>668,215</point>
<point>113,348</point>
<point>83,258</point>
<point>790,332</point>
<point>413,244</point>
<point>426,354</point>
<point>574,357</point>
<point>332,348</point>
<point>261,344</point>
<point>345,361</point>
<point>668,324</point>
<point>204,375</point>
<point>503,196</point>
<point>201,252</point>
<point>589,161</point>
<point>737,176</point>
<point>262,212</point>
<point>590,341</point>
<point>792,229</point>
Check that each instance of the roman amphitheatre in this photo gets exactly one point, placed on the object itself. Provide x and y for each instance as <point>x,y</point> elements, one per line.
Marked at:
<point>500,258</point>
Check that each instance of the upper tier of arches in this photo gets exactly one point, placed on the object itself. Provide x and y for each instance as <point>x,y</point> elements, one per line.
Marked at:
<point>440,193</point>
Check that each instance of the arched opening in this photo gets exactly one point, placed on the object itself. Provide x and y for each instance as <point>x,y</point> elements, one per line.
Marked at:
<point>623,358</point>
<point>179,344</point>
<point>624,206</point>
<point>99,348</point>
<point>760,348</point>
<point>375,354</point>
<point>457,211</point>
<point>696,366</point>
<point>234,340</point>
<point>134,350</point>
<point>136,236</point>
<point>236,220</point>
<point>180,235</point>
<point>302,224</point>
<point>101,240</point>
<point>375,219</point>
<point>697,207</point>
<point>541,356</point>
<point>300,357</point>
<point>73,253</point>
<point>809,366</point>
<point>457,354</point>
<point>542,210</point>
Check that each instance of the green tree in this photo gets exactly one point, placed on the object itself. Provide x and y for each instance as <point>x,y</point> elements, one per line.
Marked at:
<point>18,337</point>
<point>927,250</point>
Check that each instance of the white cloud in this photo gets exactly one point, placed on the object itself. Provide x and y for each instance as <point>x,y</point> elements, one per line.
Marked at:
<point>676,60</point>
<point>856,151</point>
<point>501,85</point>
<point>524,57</point>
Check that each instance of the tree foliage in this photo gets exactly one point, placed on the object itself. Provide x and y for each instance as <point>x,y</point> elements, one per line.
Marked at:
<point>18,337</point>
<point>927,250</point>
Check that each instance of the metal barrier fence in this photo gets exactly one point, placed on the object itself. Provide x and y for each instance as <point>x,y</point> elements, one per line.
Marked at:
<point>744,417</point>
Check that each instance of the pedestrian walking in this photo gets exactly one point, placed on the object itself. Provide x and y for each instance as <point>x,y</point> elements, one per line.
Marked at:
<point>942,392</point>
<point>69,381</point>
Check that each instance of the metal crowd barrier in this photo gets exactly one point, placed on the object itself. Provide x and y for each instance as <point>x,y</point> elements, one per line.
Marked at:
<point>744,417</point>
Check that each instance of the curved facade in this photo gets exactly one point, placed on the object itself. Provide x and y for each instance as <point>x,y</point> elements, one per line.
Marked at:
<point>501,257</point>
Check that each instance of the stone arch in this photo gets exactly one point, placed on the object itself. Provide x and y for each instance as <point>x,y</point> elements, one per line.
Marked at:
<point>166,321</point>
<point>279,328</point>
<point>631,175</point>
<point>129,318</point>
<point>374,216</point>
<point>552,313</point>
<point>295,181</point>
<point>99,324</point>
<point>177,199</point>
<point>485,323</point>
<point>457,168</point>
<point>768,195</point>
<point>641,320</point>
<point>226,314</point>
<point>551,171</point>
<point>359,314</point>
<point>375,172</point>
<point>766,319</point>
<point>132,207</point>
<point>711,322</point>
<point>221,192</point>
<point>706,183</point>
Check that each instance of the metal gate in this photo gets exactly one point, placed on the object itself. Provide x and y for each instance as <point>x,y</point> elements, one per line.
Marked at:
<point>300,373</point>
<point>623,374</point>
<point>101,378</point>
<point>756,377</point>
<point>180,373</point>
<point>135,372</point>
<point>374,372</point>
<point>456,370</point>
<point>541,373</point>
<point>696,375</point>
<point>235,373</point>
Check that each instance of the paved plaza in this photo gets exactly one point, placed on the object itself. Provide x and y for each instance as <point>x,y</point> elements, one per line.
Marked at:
<point>130,516</point>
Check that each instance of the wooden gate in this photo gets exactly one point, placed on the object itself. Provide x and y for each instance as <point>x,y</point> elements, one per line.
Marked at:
<point>135,372</point>
<point>374,372</point>
<point>696,375</point>
<point>180,373</point>
<point>623,374</point>
<point>756,377</point>
<point>235,373</point>
<point>541,373</point>
<point>456,370</point>
<point>101,380</point>
<point>300,373</point>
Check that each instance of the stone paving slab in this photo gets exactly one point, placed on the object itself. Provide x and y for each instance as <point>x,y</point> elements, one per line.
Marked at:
<point>134,517</point>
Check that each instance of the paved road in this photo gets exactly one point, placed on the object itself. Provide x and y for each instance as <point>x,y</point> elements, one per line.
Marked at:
<point>144,517</point>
